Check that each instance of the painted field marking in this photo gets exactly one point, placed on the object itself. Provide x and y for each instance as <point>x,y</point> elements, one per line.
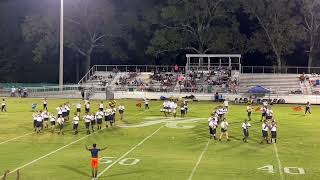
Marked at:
<point>278,160</point>
<point>199,160</point>
<point>15,138</point>
<point>52,152</point>
<point>125,154</point>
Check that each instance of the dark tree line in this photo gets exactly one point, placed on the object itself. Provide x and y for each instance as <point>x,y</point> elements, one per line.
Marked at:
<point>266,32</point>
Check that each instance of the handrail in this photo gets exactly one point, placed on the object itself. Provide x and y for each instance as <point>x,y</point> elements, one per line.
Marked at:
<point>87,74</point>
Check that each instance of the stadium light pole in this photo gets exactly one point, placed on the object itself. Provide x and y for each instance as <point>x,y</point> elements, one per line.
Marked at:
<point>61,48</point>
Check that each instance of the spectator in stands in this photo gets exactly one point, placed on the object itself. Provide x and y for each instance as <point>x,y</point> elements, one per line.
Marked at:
<point>176,68</point>
<point>302,78</point>
<point>82,93</point>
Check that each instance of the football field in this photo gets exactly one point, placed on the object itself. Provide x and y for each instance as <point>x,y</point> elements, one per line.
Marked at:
<point>148,146</point>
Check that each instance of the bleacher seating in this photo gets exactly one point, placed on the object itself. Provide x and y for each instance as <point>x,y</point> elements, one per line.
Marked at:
<point>277,83</point>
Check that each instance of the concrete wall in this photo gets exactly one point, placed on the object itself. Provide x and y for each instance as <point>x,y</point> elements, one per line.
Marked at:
<point>291,99</point>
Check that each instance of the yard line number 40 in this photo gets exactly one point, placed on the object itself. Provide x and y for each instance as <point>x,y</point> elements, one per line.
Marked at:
<point>288,170</point>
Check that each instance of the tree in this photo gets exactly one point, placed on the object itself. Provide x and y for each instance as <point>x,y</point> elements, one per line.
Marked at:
<point>311,24</point>
<point>278,29</point>
<point>197,26</point>
<point>87,25</point>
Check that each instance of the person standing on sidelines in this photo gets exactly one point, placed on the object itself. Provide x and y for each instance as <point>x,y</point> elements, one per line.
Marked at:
<point>3,105</point>
<point>94,159</point>
<point>182,110</point>
<point>87,106</point>
<point>224,129</point>
<point>245,127</point>
<point>146,103</point>
<point>308,108</point>
<point>45,104</point>
<point>75,123</point>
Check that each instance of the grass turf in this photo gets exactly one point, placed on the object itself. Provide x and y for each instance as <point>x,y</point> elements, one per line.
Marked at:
<point>163,151</point>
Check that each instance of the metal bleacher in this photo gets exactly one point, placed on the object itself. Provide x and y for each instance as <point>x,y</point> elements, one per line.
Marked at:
<point>277,83</point>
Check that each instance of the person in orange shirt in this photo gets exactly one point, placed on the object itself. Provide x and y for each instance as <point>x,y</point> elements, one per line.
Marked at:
<point>94,159</point>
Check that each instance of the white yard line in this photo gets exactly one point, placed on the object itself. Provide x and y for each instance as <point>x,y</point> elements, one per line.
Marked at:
<point>125,154</point>
<point>199,160</point>
<point>279,162</point>
<point>63,147</point>
<point>15,138</point>
<point>52,152</point>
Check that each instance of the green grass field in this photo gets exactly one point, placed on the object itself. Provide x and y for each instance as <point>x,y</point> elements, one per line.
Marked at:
<point>164,149</point>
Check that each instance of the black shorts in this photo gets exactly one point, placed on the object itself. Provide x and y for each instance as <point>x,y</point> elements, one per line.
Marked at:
<point>274,134</point>
<point>87,124</point>
<point>269,117</point>
<point>45,106</point>
<point>263,114</point>
<point>87,110</point>
<point>121,111</point>
<point>78,110</point>
<point>265,134</point>
<point>38,124</point>
<point>93,123</point>
<point>34,123</point>
<point>212,131</point>
<point>75,126</point>
<point>68,112</point>
<point>223,130</point>
<point>109,118</point>
<point>53,123</point>
<point>249,113</point>
<point>3,107</point>
<point>59,115</point>
<point>99,121</point>
<point>64,114</point>
<point>61,126</point>
<point>182,111</point>
<point>246,132</point>
<point>101,109</point>
<point>46,119</point>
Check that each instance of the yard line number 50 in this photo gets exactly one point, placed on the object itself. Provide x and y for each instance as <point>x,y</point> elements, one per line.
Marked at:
<point>288,170</point>
<point>123,162</point>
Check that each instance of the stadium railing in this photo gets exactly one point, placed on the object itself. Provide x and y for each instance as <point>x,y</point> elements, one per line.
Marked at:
<point>282,70</point>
